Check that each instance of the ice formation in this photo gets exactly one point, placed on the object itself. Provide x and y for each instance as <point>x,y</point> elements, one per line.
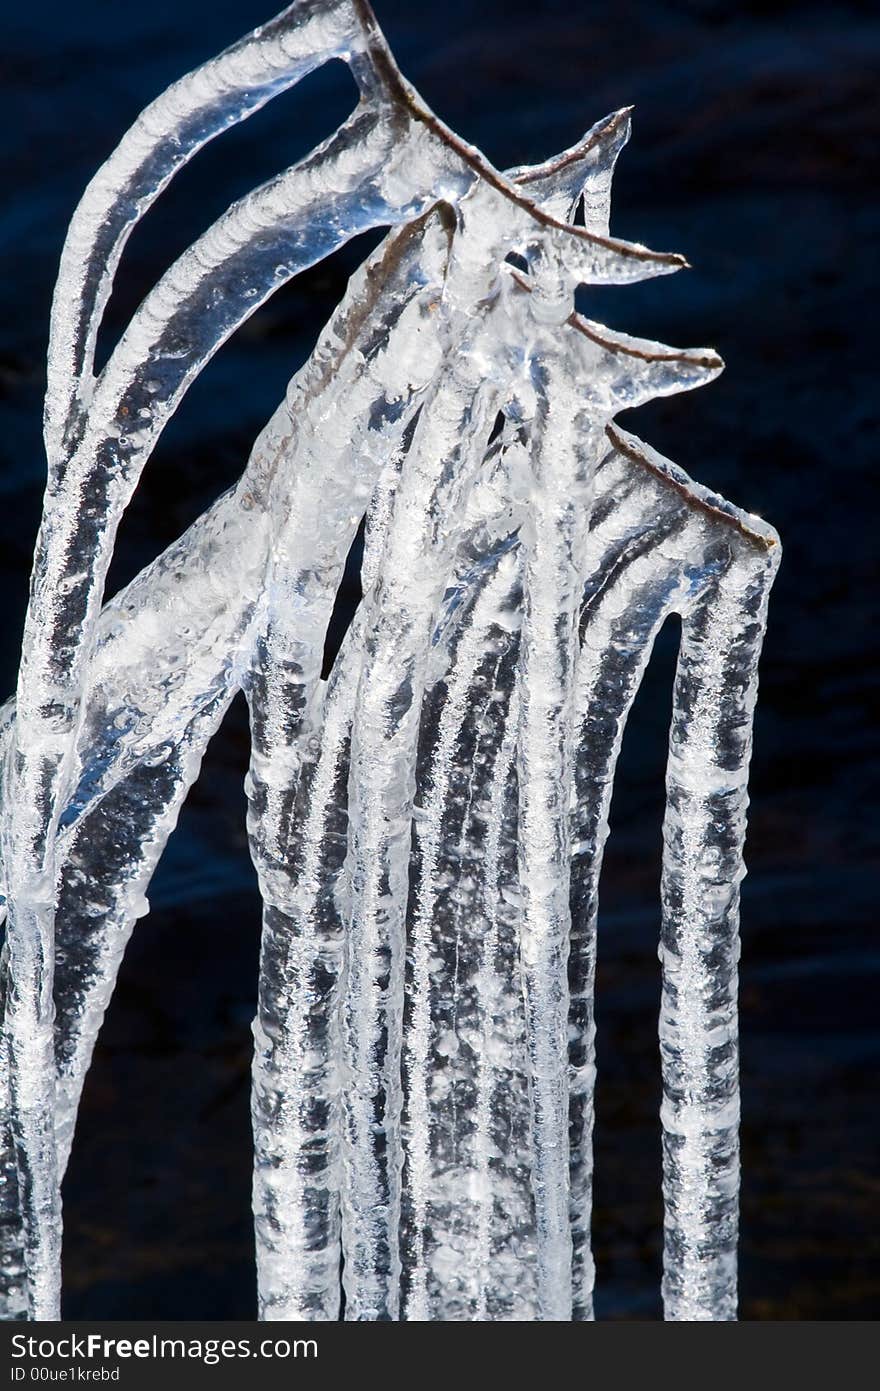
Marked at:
<point>427,825</point>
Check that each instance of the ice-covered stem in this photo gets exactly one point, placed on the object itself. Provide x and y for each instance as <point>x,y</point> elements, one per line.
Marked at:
<point>184,321</point>
<point>121,727</point>
<point>656,540</point>
<point>110,860</point>
<point>441,1169</point>
<point>374,1188</point>
<point>441,464</point>
<point>646,554</point>
<point>578,388</point>
<point>285,1204</point>
<point>166,344</point>
<point>430,1200</point>
<point>13,1270</point>
<point>564,450</point>
<point>567,440</point>
<point>467,1212</point>
<point>297,1073</point>
<point>28,1020</point>
<point>341,435</point>
<point>448,1191</point>
<point>583,172</point>
<point>296,1076</point>
<point>704,830</point>
<point>215,569</point>
<point>719,565</point>
<point>192,111</point>
<point>170,337</point>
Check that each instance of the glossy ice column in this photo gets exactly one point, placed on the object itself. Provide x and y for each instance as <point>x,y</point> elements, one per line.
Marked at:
<point>579,385</point>
<point>465,1233</point>
<point>467,1178</point>
<point>166,663</point>
<point>645,555</point>
<point>372,380</point>
<point>398,311</point>
<point>565,439</point>
<point>192,111</point>
<point>626,372</point>
<point>465,1243</point>
<point>297,1109</point>
<point>479,1209</point>
<point>170,653</point>
<point>142,383</point>
<point>403,606</point>
<point>441,1069</point>
<point>675,548</point>
<point>704,830</point>
<point>13,1271</point>
<point>86,494</point>
<point>102,766</point>
<point>453,1050</point>
<point>645,552</point>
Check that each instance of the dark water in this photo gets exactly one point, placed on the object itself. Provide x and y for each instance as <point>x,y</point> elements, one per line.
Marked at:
<point>753,142</point>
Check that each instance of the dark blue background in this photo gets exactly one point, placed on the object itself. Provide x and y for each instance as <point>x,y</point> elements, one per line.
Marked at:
<point>751,154</point>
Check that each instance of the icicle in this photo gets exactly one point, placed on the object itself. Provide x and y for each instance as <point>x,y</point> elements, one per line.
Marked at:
<point>138,733</point>
<point>73,552</point>
<point>147,695</point>
<point>341,435</point>
<point>445,1226</point>
<point>167,133</point>
<point>102,891</point>
<point>564,445</point>
<point>656,369</point>
<point>442,1268</point>
<point>704,830</point>
<point>706,548</point>
<point>504,1243</point>
<point>403,609</point>
<point>296,1104</point>
<point>14,1301</point>
<point>583,172</point>
<point>453,1276</point>
<point>641,537</point>
<point>296,1081</point>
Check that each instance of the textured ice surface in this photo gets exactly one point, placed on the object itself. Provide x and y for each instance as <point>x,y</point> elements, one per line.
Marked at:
<point>427,825</point>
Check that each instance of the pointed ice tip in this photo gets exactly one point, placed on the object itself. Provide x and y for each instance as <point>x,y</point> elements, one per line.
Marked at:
<point>612,131</point>
<point>671,260</point>
<point>614,118</point>
<point>621,120</point>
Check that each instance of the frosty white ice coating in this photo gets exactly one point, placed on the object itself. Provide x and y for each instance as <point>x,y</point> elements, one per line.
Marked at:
<point>427,825</point>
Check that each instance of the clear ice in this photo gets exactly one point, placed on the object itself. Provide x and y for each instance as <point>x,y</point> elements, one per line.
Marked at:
<point>427,824</point>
